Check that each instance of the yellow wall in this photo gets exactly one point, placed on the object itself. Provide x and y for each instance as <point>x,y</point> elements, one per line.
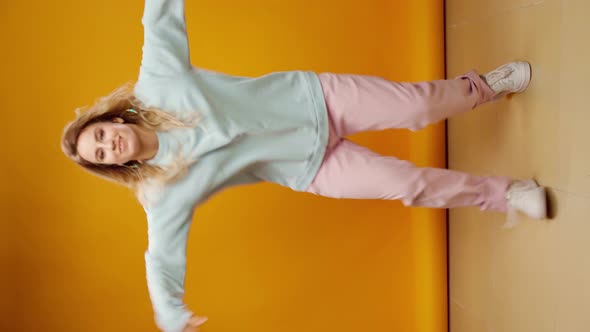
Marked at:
<point>261,257</point>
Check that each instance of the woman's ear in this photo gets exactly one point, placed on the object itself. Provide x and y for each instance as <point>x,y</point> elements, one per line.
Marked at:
<point>118,120</point>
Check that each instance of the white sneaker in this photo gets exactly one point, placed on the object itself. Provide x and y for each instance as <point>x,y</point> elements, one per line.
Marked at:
<point>527,197</point>
<point>513,77</point>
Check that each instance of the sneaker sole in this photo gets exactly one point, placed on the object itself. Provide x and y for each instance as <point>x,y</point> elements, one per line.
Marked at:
<point>526,72</point>
<point>543,204</point>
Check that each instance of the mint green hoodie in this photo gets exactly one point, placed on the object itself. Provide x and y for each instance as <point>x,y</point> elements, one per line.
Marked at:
<point>271,128</point>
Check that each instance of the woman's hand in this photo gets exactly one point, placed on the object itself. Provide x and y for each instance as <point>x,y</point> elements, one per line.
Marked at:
<point>193,323</point>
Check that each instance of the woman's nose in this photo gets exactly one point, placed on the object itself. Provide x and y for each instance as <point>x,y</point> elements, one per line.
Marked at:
<point>112,144</point>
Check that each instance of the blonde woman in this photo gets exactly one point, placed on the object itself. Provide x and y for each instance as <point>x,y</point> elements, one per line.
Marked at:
<point>181,134</point>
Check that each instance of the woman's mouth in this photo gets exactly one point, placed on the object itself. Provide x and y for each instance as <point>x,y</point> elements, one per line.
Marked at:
<point>120,144</point>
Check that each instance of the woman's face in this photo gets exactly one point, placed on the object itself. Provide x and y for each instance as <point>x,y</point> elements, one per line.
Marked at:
<point>109,143</point>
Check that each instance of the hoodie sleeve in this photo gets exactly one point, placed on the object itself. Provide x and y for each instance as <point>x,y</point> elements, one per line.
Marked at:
<point>165,261</point>
<point>165,46</point>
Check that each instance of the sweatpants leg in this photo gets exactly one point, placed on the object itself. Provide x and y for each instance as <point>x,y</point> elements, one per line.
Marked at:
<point>365,103</point>
<point>361,103</point>
<point>353,171</point>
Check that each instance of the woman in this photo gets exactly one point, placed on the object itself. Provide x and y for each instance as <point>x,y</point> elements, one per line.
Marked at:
<point>182,134</point>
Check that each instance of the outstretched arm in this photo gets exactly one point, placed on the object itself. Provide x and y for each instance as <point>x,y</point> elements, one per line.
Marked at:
<point>165,46</point>
<point>166,266</point>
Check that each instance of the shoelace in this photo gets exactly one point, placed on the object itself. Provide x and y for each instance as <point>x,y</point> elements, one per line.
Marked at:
<point>515,194</point>
<point>499,74</point>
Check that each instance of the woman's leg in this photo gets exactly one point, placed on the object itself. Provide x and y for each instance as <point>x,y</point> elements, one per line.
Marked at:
<point>353,171</point>
<point>360,103</point>
<point>364,103</point>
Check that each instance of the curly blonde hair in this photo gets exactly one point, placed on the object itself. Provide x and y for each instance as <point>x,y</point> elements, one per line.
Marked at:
<point>133,175</point>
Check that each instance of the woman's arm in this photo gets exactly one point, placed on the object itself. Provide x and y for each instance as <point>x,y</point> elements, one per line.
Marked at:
<point>165,46</point>
<point>166,265</point>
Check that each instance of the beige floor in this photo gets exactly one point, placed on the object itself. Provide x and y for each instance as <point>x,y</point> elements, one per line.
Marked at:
<point>535,277</point>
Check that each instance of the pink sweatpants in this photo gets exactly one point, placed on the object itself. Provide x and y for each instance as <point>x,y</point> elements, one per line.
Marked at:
<point>364,103</point>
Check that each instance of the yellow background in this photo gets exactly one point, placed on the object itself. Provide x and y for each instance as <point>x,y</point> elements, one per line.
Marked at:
<point>260,257</point>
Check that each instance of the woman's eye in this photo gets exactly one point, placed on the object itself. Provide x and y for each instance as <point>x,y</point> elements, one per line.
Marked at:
<point>101,134</point>
<point>100,155</point>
